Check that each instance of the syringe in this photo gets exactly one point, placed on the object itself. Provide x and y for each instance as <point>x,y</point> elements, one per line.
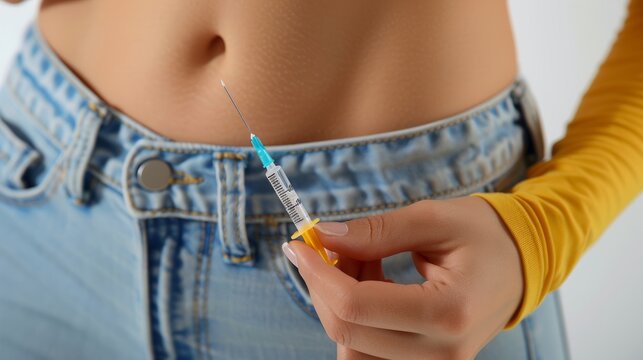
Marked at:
<point>286,193</point>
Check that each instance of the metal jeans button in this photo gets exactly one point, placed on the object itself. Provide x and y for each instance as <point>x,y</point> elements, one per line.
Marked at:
<point>154,174</point>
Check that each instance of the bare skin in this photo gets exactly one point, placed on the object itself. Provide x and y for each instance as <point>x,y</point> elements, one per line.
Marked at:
<point>301,71</point>
<point>305,72</point>
<point>460,245</point>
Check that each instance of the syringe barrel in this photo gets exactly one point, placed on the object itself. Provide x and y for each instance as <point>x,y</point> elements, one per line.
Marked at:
<point>287,195</point>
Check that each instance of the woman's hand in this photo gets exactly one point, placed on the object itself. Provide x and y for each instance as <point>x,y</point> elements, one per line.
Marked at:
<point>473,271</point>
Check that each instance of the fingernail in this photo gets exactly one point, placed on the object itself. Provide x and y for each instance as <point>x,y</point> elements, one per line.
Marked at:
<point>332,228</point>
<point>332,255</point>
<point>289,253</point>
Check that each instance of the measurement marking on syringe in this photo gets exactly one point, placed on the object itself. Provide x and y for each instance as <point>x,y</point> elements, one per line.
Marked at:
<point>283,195</point>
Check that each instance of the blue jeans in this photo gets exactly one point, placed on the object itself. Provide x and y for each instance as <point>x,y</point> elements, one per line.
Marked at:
<point>94,264</point>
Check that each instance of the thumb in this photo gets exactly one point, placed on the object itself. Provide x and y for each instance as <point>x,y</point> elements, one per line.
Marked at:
<point>418,227</point>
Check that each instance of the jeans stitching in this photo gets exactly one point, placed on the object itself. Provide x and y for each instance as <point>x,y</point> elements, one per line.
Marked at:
<point>445,193</point>
<point>185,179</point>
<point>20,155</point>
<point>41,193</point>
<point>207,289</point>
<point>101,176</point>
<point>69,153</point>
<point>195,291</point>
<point>165,209</point>
<point>224,154</point>
<point>222,204</point>
<point>235,207</point>
<point>282,277</point>
<point>145,280</point>
<point>130,200</point>
<point>82,143</point>
<point>463,188</point>
<point>240,156</point>
<point>453,122</point>
<point>229,155</point>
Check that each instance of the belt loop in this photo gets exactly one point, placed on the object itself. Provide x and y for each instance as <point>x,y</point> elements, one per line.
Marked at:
<point>231,206</point>
<point>80,151</point>
<point>526,104</point>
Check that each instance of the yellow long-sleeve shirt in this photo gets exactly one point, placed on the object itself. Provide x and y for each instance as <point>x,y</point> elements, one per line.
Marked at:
<point>595,171</point>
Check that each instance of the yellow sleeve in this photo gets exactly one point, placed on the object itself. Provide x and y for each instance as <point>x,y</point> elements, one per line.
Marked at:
<point>595,171</point>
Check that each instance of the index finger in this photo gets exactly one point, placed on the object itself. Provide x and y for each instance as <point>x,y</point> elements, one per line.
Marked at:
<point>411,308</point>
<point>424,225</point>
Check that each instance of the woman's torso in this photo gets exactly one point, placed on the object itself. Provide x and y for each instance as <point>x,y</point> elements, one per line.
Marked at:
<point>300,71</point>
<point>193,268</point>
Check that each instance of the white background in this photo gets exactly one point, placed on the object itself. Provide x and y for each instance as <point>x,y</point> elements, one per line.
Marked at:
<point>561,44</point>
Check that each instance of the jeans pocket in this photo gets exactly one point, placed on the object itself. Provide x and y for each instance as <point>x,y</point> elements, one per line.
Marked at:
<point>26,163</point>
<point>288,274</point>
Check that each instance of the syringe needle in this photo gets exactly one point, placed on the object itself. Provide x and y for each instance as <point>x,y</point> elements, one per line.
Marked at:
<point>285,192</point>
<point>236,107</point>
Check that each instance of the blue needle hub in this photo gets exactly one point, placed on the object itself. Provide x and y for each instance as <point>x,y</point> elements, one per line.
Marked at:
<point>264,156</point>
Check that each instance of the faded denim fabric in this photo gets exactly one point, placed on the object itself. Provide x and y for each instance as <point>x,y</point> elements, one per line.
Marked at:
<point>94,265</point>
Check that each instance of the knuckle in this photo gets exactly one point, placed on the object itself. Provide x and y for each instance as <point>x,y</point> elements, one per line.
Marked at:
<point>457,319</point>
<point>349,308</point>
<point>339,332</point>
<point>377,225</point>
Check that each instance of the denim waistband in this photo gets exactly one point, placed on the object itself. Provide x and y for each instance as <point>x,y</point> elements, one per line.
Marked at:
<point>335,179</point>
